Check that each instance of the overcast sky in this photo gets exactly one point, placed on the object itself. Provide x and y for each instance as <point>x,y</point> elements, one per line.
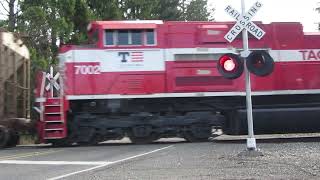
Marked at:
<point>272,11</point>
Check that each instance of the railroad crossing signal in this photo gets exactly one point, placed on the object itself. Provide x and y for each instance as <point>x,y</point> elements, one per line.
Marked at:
<point>260,62</point>
<point>244,22</point>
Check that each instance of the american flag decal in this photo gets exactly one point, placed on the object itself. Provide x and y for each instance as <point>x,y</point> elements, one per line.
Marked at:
<point>137,56</point>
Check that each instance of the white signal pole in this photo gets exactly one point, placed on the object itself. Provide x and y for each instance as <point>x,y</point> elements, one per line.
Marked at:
<point>251,141</point>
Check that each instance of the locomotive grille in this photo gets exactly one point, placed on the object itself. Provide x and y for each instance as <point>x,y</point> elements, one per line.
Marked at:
<point>135,84</point>
<point>196,57</point>
<point>202,81</point>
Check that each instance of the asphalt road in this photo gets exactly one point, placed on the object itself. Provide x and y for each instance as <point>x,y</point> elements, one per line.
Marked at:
<point>296,158</point>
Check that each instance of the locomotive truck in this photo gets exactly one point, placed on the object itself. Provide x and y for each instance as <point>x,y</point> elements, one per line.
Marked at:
<point>149,79</point>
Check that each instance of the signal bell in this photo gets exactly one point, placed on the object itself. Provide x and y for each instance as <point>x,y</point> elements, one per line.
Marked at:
<point>260,63</point>
<point>230,66</point>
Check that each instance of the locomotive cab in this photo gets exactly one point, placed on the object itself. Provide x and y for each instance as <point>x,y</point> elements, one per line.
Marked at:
<point>123,34</point>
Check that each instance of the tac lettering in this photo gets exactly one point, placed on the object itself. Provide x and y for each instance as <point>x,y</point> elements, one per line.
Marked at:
<point>311,55</point>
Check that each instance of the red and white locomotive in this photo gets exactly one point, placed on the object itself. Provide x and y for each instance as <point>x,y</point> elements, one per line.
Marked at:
<point>151,79</point>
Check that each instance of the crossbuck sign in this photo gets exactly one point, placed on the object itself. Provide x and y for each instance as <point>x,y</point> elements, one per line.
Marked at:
<point>52,81</point>
<point>244,22</point>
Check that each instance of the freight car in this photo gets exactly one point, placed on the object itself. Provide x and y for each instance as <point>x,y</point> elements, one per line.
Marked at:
<point>150,79</point>
<point>14,88</point>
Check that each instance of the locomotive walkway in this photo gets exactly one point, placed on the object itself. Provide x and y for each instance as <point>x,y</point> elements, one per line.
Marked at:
<point>296,158</point>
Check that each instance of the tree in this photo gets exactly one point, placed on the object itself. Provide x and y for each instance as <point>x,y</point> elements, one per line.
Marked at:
<point>197,10</point>
<point>11,9</point>
<point>167,10</point>
<point>105,9</point>
<point>81,18</point>
<point>34,23</point>
<point>3,24</point>
<point>138,9</point>
<point>185,10</point>
<point>47,23</point>
<point>193,10</point>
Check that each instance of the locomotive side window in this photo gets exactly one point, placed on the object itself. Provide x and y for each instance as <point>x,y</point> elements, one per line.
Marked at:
<point>136,37</point>
<point>109,35</point>
<point>123,37</point>
<point>133,37</point>
<point>150,39</point>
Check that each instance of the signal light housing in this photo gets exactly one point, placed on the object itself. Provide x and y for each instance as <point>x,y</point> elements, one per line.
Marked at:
<point>230,66</point>
<point>260,63</point>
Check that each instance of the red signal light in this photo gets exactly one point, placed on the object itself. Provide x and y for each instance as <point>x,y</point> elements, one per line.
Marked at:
<point>230,66</point>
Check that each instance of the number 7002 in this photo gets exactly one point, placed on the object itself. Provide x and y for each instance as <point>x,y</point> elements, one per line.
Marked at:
<point>87,69</point>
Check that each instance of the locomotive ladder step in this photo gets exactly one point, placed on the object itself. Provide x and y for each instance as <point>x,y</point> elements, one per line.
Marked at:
<point>54,133</point>
<point>54,98</point>
<point>56,121</point>
<point>53,137</point>
<point>57,129</point>
<point>53,105</point>
<point>54,113</point>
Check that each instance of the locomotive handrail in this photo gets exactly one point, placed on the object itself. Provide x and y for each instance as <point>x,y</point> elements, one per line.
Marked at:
<point>42,84</point>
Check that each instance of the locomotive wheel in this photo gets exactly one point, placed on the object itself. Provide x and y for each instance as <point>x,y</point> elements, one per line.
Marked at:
<point>88,136</point>
<point>192,138</point>
<point>4,136</point>
<point>13,138</point>
<point>142,135</point>
<point>61,143</point>
<point>198,133</point>
<point>143,140</point>
<point>93,142</point>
